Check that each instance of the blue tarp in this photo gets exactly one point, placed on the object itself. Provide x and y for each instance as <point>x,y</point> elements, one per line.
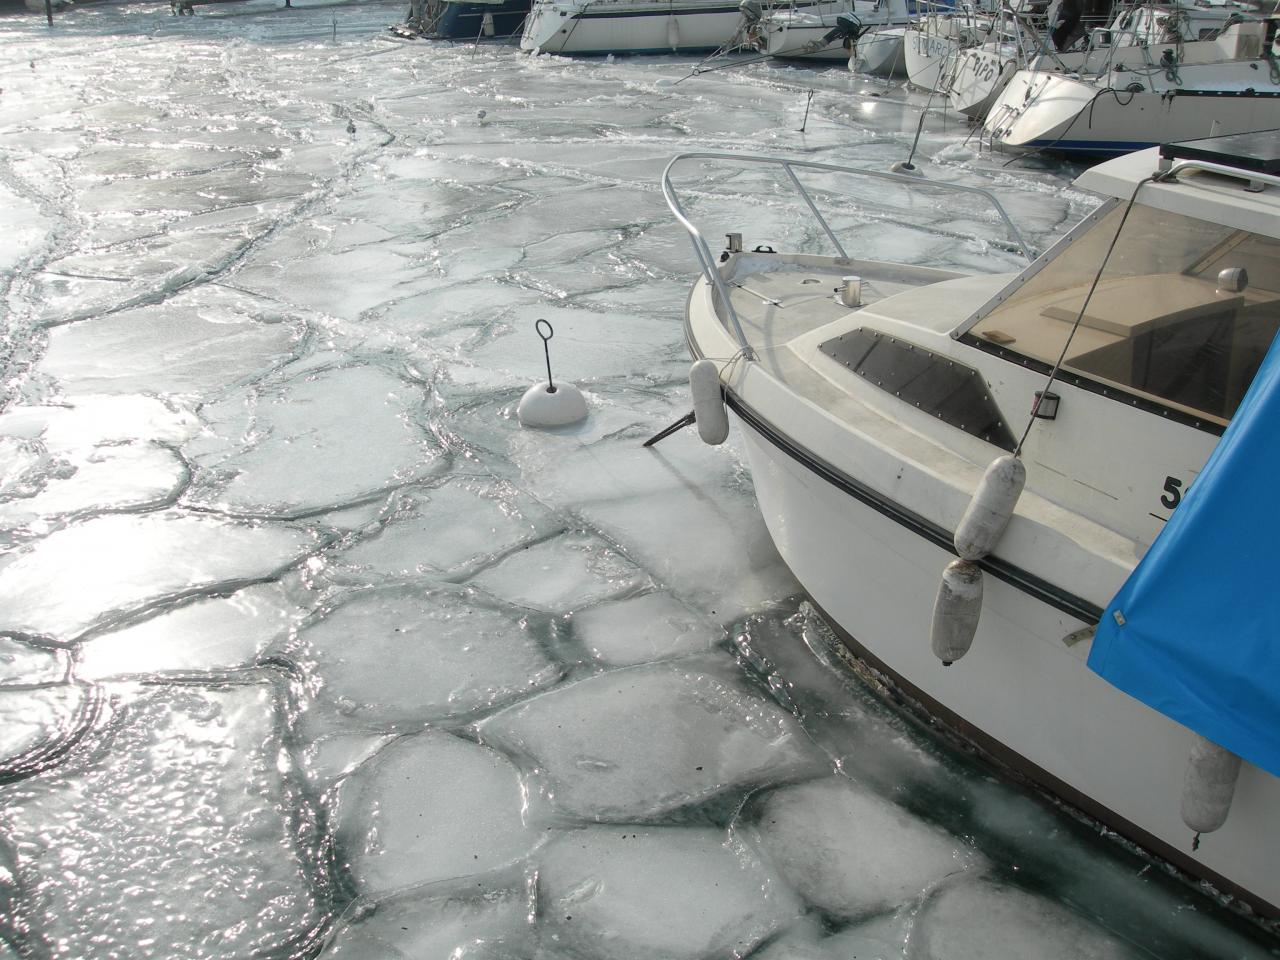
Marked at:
<point>1200,638</point>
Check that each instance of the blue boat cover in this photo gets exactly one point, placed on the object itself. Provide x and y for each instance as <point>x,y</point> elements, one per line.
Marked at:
<point>1198,631</point>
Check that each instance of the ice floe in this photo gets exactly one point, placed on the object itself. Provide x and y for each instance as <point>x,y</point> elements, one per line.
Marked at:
<point>851,853</point>
<point>91,572</point>
<point>634,744</point>
<point>664,893</point>
<point>178,812</point>
<point>403,655</point>
<point>322,439</point>
<point>430,807</point>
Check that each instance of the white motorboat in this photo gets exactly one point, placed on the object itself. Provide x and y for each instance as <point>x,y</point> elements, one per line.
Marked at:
<point>1144,94</point>
<point>1042,426</point>
<point>599,27</point>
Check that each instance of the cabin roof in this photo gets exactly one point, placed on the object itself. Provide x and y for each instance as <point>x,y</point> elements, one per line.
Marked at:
<point>1205,196</point>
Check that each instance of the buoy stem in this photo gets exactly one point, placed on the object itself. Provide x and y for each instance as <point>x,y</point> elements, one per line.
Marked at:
<point>546,349</point>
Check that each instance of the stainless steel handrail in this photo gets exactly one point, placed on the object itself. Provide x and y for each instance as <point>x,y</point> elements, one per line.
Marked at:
<point>1208,166</point>
<point>706,259</point>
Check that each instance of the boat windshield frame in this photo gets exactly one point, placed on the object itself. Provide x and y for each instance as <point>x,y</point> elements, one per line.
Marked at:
<point>707,260</point>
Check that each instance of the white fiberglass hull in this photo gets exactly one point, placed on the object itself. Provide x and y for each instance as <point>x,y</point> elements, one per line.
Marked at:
<point>862,501</point>
<point>1050,111</point>
<point>979,75</point>
<point>801,34</point>
<point>926,55</point>
<point>880,53</point>
<point>629,26</point>
<point>1021,692</point>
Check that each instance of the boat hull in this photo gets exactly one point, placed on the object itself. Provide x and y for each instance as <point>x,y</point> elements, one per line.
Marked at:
<point>1051,112</point>
<point>977,79</point>
<point>602,28</point>
<point>880,53</point>
<point>1024,692</point>
<point>467,21</point>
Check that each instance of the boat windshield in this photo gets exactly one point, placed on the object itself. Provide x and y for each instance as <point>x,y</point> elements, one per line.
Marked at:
<point>1182,316</point>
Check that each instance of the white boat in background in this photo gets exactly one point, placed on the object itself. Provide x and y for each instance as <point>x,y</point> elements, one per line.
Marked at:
<point>981,73</point>
<point>880,53</point>
<point>1042,426</point>
<point>828,31</point>
<point>599,27</point>
<point>933,42</point>
<point>1147,94</point>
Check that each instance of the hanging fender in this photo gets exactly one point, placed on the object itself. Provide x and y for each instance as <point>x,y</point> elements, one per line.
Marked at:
<point>709,410</point>
<point>956,611</point>
<point>991,508</point>
<point>1208,787</point>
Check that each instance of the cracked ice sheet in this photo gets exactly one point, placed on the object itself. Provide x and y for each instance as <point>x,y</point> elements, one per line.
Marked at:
<point>26,229</point>
<point>321,439</point>
<point>194,343</point>
<point>390,811</point>
<point>451,529</point>
<point>641,629</point>
<point>488,916</point>
<point>560,575</point>
<point>637,743</point>
<point>667,893</point>
<point>217,634</point>
<point>852,853</point>
<point>685,513</point>
<point>35,725</point>
<point>589,345</point>
<point>92,481</point>
<point>406,655</point>
<point>984,920</point>
<point>86,574</point>
<point>169,833</point>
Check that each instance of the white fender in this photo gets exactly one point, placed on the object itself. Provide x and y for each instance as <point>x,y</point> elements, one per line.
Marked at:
<point>542,407</point>
<point>708,404</point>
<point>956,611</point>
<point>991,508</point>
<point>1209,785</point>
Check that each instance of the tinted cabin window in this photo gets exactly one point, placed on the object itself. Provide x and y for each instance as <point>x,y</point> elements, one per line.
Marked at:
<point>1172,318</point>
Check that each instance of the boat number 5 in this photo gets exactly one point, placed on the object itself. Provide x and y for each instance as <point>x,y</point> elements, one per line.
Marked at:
<point>1172,492</point>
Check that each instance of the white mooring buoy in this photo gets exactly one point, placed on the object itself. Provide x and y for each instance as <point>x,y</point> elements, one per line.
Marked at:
<point>550,404</point>
<point>1208,787</point>
<point>708,402</point>
<point>956,611</point>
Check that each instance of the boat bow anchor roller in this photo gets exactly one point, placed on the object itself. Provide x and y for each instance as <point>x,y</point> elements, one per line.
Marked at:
<point>874,400</point>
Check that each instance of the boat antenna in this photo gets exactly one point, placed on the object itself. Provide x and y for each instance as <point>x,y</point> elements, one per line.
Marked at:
<point>1053,374</point>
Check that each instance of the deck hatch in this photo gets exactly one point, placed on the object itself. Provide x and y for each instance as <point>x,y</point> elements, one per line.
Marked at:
<point>954,393</point>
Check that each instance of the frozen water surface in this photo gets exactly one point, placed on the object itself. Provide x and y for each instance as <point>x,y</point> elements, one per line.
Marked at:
<point>453,657</point>
<point>430,807</point>
<point>852,853</point>
<point>667,892</point>
<point>630,745</point>
<point>115,565</point>
<point>308,648</point>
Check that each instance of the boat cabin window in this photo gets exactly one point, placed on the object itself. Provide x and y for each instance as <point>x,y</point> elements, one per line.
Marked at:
<point>1182,316</point>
